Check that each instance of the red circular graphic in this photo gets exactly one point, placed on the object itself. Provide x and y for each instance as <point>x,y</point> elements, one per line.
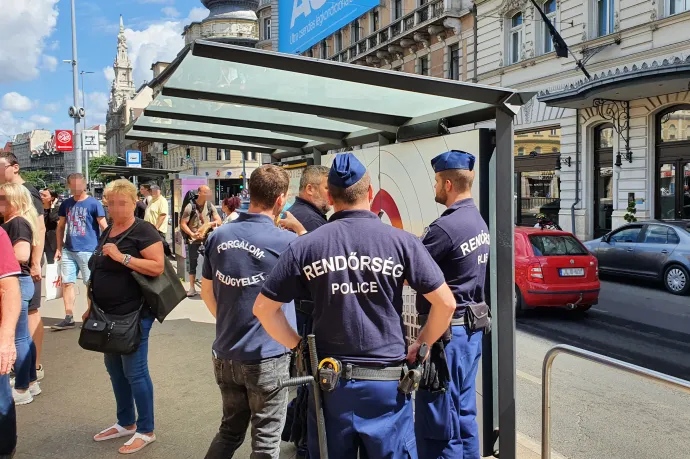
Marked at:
<point>65,137</point>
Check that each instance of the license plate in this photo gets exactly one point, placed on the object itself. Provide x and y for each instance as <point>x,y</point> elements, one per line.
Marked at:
<point>571,272</point>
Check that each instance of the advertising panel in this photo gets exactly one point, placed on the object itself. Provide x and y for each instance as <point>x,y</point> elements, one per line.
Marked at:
<point>303,23</point>
<point>403,179</point>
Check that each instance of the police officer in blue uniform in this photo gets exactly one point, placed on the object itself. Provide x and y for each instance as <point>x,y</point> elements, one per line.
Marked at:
<point>248,363</point>
<point>355,268</point>
<point>446,405</point>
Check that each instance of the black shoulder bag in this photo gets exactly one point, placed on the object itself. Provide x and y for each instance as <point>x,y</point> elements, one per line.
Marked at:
<point>110,333</point>
<point>162,293</point>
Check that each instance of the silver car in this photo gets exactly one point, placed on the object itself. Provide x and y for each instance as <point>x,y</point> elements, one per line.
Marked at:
<point>650,249</point>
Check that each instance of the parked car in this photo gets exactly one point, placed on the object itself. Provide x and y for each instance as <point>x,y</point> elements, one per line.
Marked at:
<point>652,249</point>
<point>553,269</point>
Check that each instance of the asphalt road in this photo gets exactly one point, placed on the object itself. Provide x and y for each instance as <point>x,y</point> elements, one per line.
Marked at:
<point>599,412</point>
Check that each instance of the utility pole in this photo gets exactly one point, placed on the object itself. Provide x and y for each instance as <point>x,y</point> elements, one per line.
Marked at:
<point>83,105</point>
<point>75,88</point>
<point>244,170</point>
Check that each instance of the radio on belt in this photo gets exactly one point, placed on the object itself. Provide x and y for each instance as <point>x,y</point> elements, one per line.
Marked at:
<point>410,382</point>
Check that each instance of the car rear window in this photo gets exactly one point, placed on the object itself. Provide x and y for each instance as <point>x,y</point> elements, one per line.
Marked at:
<point>553,246</point>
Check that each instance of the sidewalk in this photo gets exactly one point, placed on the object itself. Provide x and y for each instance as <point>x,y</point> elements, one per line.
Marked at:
<point>77,400</point>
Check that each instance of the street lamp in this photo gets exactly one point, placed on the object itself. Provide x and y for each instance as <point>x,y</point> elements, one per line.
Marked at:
<point>565,161</point>
<point>83,105</point>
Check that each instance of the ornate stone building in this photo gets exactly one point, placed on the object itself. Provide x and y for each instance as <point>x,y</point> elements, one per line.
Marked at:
<point>233,21</point>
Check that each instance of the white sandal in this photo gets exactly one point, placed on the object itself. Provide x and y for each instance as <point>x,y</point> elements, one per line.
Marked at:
<point>121,432</point>
<point>146,439</point>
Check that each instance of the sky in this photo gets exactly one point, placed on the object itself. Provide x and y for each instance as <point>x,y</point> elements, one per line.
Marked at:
<point>36,36</point>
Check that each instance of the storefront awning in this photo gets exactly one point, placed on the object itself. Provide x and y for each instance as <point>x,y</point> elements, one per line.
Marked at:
<point>225,96</point>
<point>623,84</point>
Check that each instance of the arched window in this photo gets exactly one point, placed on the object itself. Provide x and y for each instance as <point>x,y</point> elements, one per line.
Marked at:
<point>550,11</point>
<point>521,151</point>
<point>515,42</point>
<point>671,125</point>
<point>537,150</point>
<point>672,132</point>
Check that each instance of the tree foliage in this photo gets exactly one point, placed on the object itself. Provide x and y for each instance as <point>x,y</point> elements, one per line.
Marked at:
<point>95,163</point>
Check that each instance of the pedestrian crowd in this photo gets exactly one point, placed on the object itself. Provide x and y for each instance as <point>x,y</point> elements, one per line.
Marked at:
<point>294,293</point>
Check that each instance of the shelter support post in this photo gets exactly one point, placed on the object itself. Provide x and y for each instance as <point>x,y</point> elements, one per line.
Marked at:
<point>316,156</point>
<point>502,278</point>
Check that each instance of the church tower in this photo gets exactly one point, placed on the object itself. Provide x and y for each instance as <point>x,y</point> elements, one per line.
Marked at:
<point>123,85</point>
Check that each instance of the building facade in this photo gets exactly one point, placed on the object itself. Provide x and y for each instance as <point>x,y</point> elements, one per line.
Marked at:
<point>124,98</point>
<point>621,134</point>
<point>28,142</point>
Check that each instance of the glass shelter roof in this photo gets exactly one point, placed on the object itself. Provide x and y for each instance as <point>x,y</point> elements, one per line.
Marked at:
<point>226,96</point>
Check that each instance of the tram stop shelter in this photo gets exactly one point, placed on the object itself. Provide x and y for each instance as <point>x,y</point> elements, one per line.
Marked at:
<point>223,96</point>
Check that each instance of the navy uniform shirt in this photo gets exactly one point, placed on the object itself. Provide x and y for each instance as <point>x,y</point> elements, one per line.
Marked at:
<point>238,258</point>
<point>307,214</point>
<point>459,242</point>
<point>354,268</point>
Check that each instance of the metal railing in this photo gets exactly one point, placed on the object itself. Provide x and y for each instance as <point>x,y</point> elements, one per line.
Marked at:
<point>655,376</point>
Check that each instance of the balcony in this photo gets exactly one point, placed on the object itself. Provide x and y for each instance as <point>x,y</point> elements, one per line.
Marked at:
<point>432,13</point>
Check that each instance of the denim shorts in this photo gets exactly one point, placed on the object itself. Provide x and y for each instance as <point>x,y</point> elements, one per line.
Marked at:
<point>73,263</point>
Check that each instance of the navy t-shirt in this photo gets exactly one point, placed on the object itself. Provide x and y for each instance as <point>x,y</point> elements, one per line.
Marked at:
<point>238,257</point>
<point>81,226</point>
<point>459,241</point>
<point>355,268</point>
<point>307,214</point>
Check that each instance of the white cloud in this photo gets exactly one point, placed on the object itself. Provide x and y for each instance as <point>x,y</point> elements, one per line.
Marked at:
<point>10,126</point>
<point>170,12</point>
<point>53,46</point>
<point>49,63</point>
<point>15,102</point>
<point>52,108</point>
<point>25,25</point>
<point>158,42</point>
<point>197,14</point>
<point>96,107</point>
<point>41,120</point>
<point>109,74</point>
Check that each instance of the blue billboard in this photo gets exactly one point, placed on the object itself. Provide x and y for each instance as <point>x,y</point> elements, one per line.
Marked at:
<point>303,23</point>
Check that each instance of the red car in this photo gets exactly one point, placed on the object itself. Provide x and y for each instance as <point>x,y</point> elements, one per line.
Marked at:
<point>553,269</point>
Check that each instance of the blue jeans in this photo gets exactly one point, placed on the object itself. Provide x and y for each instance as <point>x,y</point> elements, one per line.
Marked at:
<point>25,365</point>
<point>74,263</point>
<point>132,384</point>
<point>446,425</point>
<point>8,418</point>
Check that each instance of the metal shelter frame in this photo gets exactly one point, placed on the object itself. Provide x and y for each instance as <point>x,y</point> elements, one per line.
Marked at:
<point>224,96</point>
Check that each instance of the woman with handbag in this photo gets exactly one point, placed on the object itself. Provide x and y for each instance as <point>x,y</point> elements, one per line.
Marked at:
<point>20,219</point>
<point>128,245</point>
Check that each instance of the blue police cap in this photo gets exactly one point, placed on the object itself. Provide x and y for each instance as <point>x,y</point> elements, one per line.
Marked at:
<point>454,159</point>
<point>346,170</point>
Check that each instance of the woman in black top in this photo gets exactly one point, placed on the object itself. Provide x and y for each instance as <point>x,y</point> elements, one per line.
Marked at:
<point>50,218</point>
<point>20,221</point>
<point>130,245</point>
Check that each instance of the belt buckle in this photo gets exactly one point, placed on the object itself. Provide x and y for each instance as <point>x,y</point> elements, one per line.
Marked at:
<point>347,372</point>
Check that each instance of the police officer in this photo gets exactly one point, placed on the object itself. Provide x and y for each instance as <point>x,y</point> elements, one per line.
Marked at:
<point>247,362</point>
<point>446,405</point>
<point>307,213</point>
<point>355,268</point>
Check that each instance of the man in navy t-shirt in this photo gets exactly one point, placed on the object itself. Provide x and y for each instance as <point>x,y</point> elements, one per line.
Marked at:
<point>248,363</point>
<point>355,268</point>
<point>446,425</point>
<point>82,219</point>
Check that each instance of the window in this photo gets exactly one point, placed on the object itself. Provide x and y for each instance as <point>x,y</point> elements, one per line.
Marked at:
<point>397,9</point>
<point>323,49</point>
<point>550,12</point>
<point>515,38</point>
<point>521,151</point>
<point>267,28</point>
<point>604,17</point>
<point>310,52</point>
<point>677,6</point>
<point>374,21</point>
<point>554,246</point>
<point>454,63</point>
<point>657,234</point>
<point>674,125</point>
<point>354,32</point>
<point>626,235</point>
<point>554,132</point>
<point>424,65</point>
<point>227,154</point>
<point>338,41</point>
<point>219,154</point>
<point>537,150</point>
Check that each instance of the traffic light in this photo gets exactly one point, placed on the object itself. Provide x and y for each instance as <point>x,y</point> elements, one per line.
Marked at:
<point>165,149</point>
<point>189,153</point>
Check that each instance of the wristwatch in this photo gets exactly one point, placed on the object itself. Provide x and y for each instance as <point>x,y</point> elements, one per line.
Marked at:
<point>126,260</point>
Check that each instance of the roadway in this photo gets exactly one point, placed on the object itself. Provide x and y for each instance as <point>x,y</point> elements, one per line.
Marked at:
<point>599,412</point>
